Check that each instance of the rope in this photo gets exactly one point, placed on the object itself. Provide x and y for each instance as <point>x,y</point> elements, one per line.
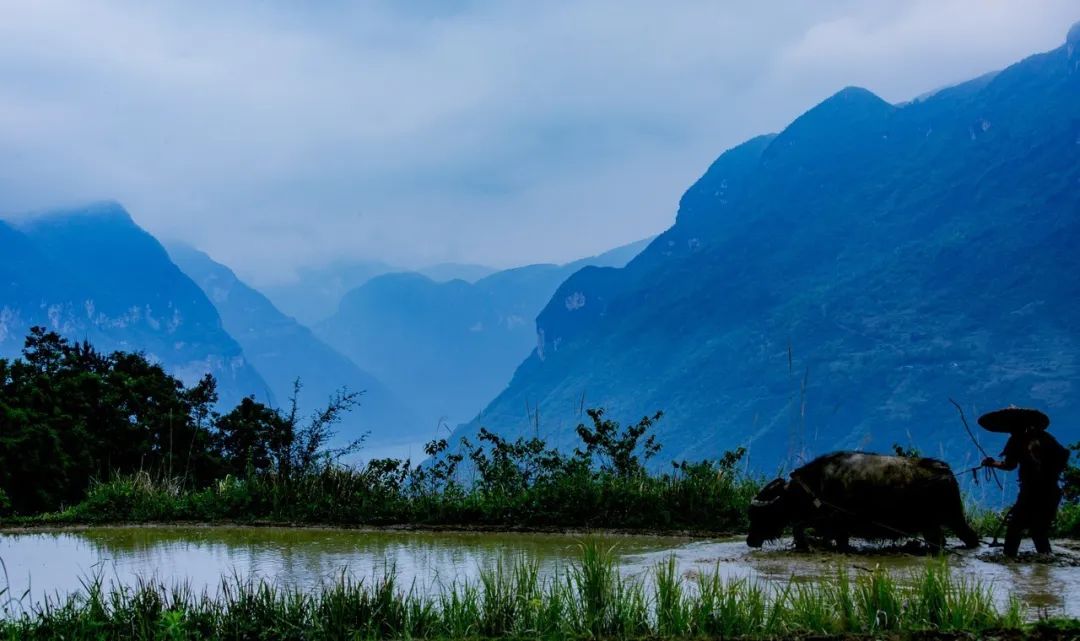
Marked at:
<point>988,473</point>
<point>974,440</point>
<point>974,472</point>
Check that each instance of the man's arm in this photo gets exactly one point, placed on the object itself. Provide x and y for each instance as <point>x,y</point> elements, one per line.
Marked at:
<point>1004,464</point>
<point>1009,459</point>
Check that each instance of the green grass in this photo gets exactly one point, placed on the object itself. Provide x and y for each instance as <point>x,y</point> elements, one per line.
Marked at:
<point>588,600</point>
<point>989,523</point>
<point>698,500</point>
<point>985,521</point>
<point>701,498</point>
<point>1068,521</point>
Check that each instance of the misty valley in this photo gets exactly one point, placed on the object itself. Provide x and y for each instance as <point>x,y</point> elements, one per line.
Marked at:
<point>836,397</point>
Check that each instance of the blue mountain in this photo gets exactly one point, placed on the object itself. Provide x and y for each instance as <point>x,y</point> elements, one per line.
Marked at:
<point>833,285</point>
<point>92,273</point>
<point>443,272</point>
<point>283,350</point>
<point>315,293</point>
<point>448,347</point>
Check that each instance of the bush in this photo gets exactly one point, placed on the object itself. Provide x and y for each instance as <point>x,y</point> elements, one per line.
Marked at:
<point>517,483</point>
<point>1068,521</point>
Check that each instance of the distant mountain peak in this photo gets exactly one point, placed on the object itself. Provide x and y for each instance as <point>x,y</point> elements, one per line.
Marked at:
<point>1072,39</point>
<point>847,119</point>
<point>850,101</point>
<point>91,272</point>
<point>282,350</point>
<point>855,92</point>
<point>106,208</point>
<point>443,272</point>
<point>849,105</point>
<point>98,211</point>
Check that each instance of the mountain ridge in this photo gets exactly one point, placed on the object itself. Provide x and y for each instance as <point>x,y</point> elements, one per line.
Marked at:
<point>828,260</point>
<point>284,351</point>
<point>448,346</point>
<point>92,273</point>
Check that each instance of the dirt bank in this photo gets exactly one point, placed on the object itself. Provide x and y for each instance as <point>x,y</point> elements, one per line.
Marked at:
<point>37,525</point>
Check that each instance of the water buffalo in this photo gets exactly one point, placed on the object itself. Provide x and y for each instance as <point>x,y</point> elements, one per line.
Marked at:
<point>867,496</point>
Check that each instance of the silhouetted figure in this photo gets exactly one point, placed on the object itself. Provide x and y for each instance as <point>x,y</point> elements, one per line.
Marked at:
<point>1041,460</point>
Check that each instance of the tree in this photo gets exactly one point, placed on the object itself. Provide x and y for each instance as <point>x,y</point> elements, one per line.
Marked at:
<point>69,414</point>
<point>244,437</point>
<point>301,448</point>
<point>617,447</point>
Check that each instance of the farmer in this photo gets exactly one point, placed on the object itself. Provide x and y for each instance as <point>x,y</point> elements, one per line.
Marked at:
<point>1041,460</point>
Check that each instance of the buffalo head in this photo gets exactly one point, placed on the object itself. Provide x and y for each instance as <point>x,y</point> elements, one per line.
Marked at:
<point>768,514</point>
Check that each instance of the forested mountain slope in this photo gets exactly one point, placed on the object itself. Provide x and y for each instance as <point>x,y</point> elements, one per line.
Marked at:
<point>831,286</point>
<point>92,273</point>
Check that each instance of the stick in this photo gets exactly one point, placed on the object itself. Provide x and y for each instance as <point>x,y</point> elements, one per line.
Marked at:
<point>974,440</point>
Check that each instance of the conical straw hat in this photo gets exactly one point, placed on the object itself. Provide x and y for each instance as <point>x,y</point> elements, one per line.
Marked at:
<point>1011,419</point>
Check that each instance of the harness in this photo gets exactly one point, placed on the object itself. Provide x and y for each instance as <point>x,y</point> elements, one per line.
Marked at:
<point>819,502</point>
<point>806,488</point>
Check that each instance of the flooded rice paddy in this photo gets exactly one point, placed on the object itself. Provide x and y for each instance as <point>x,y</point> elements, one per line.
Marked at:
<point>55,563</point>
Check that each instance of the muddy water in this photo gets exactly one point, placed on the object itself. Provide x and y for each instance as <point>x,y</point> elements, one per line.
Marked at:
<point>1045,586</point>
<point>54,563</point>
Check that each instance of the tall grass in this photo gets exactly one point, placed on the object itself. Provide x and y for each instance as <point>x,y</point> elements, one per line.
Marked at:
<point>590,599</point>
<point>701,497</point>
<point>604,482</point>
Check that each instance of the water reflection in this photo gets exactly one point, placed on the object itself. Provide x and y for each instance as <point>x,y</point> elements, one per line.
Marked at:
<point>41,563</point>
<point>54,562</point>
<point>1043,589</point>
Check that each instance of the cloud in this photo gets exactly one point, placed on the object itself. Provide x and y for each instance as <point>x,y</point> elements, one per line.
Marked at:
<point>275,135</point>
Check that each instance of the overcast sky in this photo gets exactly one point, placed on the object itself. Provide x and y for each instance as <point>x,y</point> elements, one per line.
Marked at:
<point>279,134</point>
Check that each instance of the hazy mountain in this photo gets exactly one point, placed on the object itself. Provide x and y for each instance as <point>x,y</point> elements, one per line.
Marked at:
<point>92,273</point>
<point>834,284</point>
<point>283,350</point>
<point>315,293</point>
<point>447,348</point>
<point>443,272</point>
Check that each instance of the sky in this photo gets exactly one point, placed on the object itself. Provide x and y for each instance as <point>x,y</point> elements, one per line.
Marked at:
<point>277,135</point>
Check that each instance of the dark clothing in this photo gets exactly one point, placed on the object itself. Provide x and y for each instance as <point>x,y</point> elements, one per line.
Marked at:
<point>1034,512</point>
<point>1040,457</point>
<point>1041,460</point>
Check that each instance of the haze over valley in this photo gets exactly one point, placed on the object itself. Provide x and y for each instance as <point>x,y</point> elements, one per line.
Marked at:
<point>830,284</point>
<point>537,321</point>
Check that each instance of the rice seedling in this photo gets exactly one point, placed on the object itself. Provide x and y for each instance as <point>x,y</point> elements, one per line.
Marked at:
<point>733,608</point>
<point>673,612</point>
<point>810,608</point>
<point>514,600</point>
<point>879,601</point>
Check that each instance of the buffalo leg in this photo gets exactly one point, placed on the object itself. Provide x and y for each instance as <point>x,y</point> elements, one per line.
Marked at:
<point>842,542</point>
<point>967,535</point>
<point>955,519</point>
<point>935,538</point>
<point>799,534</point>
